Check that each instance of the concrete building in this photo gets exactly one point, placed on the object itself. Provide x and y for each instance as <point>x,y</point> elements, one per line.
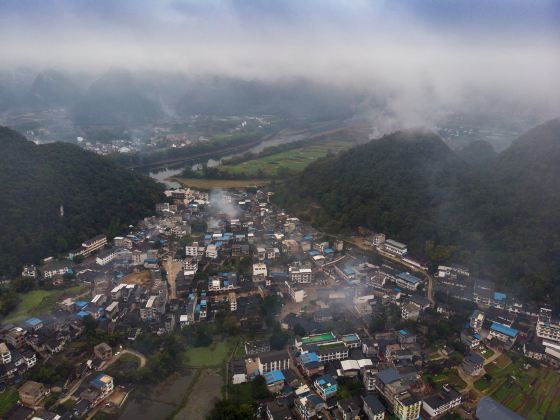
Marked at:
<point>394,247</point>
<point>31,393</point>
<point>441,403</point>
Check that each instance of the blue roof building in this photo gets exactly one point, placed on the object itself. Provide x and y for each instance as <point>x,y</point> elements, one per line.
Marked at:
<point>34,323</point>
<point>273,377</point>
<point>326,386</point>
<point>502,329</point>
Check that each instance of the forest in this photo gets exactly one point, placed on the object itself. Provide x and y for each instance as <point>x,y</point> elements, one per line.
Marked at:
<point>55,196</point>
<point>500,216</point>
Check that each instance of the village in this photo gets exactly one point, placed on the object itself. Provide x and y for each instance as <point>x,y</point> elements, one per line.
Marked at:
<point>333,328</point>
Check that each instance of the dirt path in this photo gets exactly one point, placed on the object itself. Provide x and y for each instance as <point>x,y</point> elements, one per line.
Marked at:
<point>172,268</point>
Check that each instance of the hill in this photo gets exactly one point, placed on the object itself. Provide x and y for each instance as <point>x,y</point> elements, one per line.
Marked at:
<point>35,180</point>
<point>502,219</point>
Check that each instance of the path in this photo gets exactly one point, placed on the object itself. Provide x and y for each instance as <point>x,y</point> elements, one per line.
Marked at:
<point>172,268</point>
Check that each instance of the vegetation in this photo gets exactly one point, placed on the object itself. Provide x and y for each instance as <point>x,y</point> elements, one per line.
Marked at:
<point>8,398</point>
<point>500,218</point>
<point>35,181</point>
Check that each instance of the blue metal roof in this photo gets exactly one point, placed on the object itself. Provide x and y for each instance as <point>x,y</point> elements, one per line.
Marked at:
<point>310,357</point>
<point>504,329</point>
<point>33,321</point>
<point>274,376</point>
<point>409,278</point>
<point>82,314</point>
<point>348,271</point>
<point>388,376</point>
<point>500,296</point>
<point>80,303</point>
<point>329,251</point>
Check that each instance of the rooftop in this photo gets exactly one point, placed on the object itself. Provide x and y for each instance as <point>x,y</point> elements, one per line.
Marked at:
<point>504,329</point>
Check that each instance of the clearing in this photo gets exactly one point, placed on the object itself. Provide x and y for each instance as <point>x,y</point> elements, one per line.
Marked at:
<point>204,392</point>
<point>214,355</point>
<point>142,278</point>
<point>208,184</point>
<point>38,302</point>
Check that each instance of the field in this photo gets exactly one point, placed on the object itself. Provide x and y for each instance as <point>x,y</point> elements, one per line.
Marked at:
<point>7,399</point>
<point>37,302</point>
<point>213,356</point>
<point>530,391</point>
<point>450,377</point>
<point>209,184</point>
<point>294,160</point>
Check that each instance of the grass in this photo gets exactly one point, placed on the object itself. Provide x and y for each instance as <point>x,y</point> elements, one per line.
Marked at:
<point>293,160</point>
<point>213,356</point>
<point>38,302</point>
<point>208,184</point>
<point>487,353</point>
<point>449,376</point>
<point>7,399</point>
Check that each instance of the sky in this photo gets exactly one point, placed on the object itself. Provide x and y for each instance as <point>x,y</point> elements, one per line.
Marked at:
<point>445,49</point>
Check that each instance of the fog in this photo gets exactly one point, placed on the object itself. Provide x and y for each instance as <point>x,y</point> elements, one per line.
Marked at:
<point>420,56</point>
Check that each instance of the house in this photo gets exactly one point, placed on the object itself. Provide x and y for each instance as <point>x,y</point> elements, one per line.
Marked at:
<point>406,406</point>
<point>5,354</point>
<point>441,403</point>
<point>410,311</point>
<point>297,295</point>
<point>106,256</point>
<point>260,270</point>
<point>299,274</point>
<point>470,338</point>
<point>16,337</point>
<point>94,244</point>
<point>373,408</point>
<point>257,346</point>
<point>55,268</point>
<point>212,251</point>
<point>274,381</point>
<point>103,351</point>
<point>239,374</point>
<point>310,364</point>
<point>276,411</point>
<point>309,406</point>
<point>534,351</point>
<point>394,247</point>
<point>33,324</point>
<point>104,384</point>
<point>31,393</point>
<point>274,360</point>
<point>477,320</point>
<point>408,281</point>
<point>473,364</point>
<point>326,386</point>
<point>503,333</point>
<point>349,408</point>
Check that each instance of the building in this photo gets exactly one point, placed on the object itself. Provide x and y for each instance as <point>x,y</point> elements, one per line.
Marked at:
<point>373,408</point>
<point>395,247</point>
<point>477,320</point>
<point>300,274</point>
<point>55,268</point>
<point>410,311</point>
<point>94,244</point>
<point>489,409</point>
<point>212,251</point>
<point>441,403</point>
<point>260,270</point>
<point>232,299</point>
<point>5,354</point>
<point>103,383</point>
<point>406,406</point>
<point>257,347</point>
<point>378,239</point>
<point>106,256</point>
<point>297,295</point>
<point>547,327</point>
<point>309,406</point>
<point>473,364</point>
<point>276,411</point>
<point>408,281</point>
<point>31,393</point>
<point>274,380</point>
<point>503,333</point>
<point>326,386</point>
<point>274,360</point>
<point>16,337</point>
<point>103,351</point>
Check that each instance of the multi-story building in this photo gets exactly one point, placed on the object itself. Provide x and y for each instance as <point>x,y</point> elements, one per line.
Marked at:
<point>373,408</point>
<point>31,393</point>
<point>298,295</point>
<point>477,320</point>
<point>503,333</point>
<point>406,406</point>
<point>473,364</point>
<point>94,244</point>
<point>547,327</point>
<point>300,274</point>
<point>326,386</point>
<point>378,239</point>
<point>232,299</point>
<point>394,247</point>
<point>274,360</point>
<point>5,354</point>
<point>408,281</point>
<point>441,403</point>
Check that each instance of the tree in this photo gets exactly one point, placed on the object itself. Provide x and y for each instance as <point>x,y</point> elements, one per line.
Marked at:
<point>228,410</point>
<point>299,330</point>
<point>278,340</point>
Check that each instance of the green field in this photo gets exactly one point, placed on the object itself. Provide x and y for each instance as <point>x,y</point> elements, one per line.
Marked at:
<point>213,356</point>
<point>294,160</point>
<point>7,399</point>
<point>37,302</point>
<point>448,376</point>
<point>208,184</point>
<point>531,391</point>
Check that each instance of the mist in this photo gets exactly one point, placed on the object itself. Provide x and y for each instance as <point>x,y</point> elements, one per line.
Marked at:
<point>419,58</point>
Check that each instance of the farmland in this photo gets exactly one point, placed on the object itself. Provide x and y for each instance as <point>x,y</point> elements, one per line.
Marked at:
<point>530,391</point>
<point>208,184</point>
<point>293,160</point>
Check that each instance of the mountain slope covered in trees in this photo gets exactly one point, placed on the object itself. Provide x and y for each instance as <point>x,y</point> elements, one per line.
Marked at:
<point>36,180</point>
<point>501,216</point>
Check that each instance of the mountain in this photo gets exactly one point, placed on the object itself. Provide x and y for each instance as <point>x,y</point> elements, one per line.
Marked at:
<point>35,180</point>
<point>502,219</point>
<point>479,152</point>
<point>51,87</point>
<point>115,98</point>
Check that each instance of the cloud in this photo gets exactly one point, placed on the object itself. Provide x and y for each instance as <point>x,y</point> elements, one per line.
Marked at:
<point>435,52</point>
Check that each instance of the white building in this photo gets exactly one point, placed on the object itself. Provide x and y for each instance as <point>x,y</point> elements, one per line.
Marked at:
<point>394,247</point>
<point>300,275</point>
<point>212,251</point>
<point>298,295</point>
<point>260,270</point>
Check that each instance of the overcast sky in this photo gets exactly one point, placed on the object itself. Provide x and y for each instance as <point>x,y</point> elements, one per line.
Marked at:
<point>444,47</point>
